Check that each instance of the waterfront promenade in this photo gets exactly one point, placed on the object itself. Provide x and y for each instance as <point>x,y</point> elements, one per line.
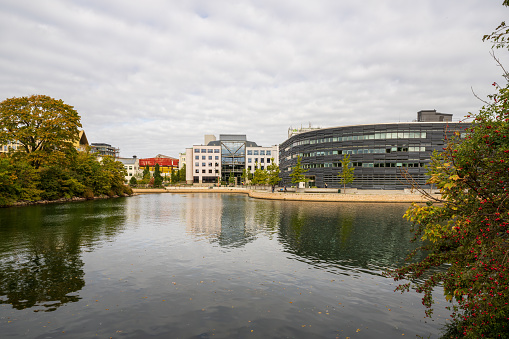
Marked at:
<point>330,195</point>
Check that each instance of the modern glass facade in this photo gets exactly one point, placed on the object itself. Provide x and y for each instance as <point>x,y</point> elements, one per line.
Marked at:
<point>380,153</point>
<point>233,158</point>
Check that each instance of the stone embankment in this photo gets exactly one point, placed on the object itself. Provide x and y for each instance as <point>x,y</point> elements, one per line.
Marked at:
<point>331,195</point>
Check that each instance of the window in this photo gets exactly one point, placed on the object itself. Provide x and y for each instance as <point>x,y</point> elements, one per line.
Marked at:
<point>203,150</point>
<point>216,150</point>
<point>256,152</point>
<point>262,160</point>
<point>196,151</point>
<point>262,152</point>
<point>256,159</point>
<point>196,157</point>
<point>249,160</point>
<point>267,153</point>
<point>210,150</point>
<point>210,171</point>
<point>249,152</point>
<point>268,160</point>
<point>130,167</point>
<point>210,164</point>
<point>262,168</point>
<point>210,157</point>
<point>203,164</point>
<point>197,171</point>
<point>197,164</point>
<point>203,171</point>
<point>216,157</point>
<point>203,157</point>
<point>249,168</point>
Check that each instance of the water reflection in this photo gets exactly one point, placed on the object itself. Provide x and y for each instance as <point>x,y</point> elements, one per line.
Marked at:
<point>351,237</point>
<point>41,246</point>
<point>364,237</point>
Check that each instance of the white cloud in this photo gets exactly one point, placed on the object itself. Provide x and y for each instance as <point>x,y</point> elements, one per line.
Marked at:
<point>155,76</point>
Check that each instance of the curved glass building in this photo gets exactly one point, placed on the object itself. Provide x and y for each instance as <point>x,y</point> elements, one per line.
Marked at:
<point>380,153</point>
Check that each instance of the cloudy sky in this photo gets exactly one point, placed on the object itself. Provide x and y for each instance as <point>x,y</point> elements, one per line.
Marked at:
<point>154,76</point>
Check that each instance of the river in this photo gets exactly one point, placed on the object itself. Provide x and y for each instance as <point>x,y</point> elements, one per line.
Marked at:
<point>207,265</point>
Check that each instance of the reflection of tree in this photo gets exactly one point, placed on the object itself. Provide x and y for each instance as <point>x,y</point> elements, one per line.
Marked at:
<point>361,236</point>
<point>40,250</point>
<point>47,278</point>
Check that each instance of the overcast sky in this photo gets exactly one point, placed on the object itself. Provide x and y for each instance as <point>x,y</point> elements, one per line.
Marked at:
<point>153,77</point>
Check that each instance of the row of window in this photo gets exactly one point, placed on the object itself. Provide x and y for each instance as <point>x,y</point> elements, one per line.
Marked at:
<point>249,168</point>
<point>204,157</point>
<point>206,150</point>
<point>262,160</point>
<point>365,164</point>
<point>364,151</point>
<point>197,164</point>
<point>255,152</point>
<point>374,136</point>
<point>210,171</point>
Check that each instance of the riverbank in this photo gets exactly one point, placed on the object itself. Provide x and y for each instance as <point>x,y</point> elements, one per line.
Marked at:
<point>62,200</point>
<point>358,196</point>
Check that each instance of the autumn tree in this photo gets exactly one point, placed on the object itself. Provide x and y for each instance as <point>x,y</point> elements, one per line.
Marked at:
<point>466,232</point>
<point>40,124</point>
<point>346,174</point>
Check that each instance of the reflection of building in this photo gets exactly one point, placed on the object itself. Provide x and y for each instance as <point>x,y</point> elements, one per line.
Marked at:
<point>131,165</point>
<point>229,220</point>
<point>104,149</point>
<point>229,156</point>
<point>378,152</point>
<point>166,164</point>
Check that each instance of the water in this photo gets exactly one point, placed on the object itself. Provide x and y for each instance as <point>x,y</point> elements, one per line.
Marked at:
<point>206,266</point>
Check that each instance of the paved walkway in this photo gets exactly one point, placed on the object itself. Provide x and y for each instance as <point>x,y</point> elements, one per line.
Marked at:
<point>359,196</point>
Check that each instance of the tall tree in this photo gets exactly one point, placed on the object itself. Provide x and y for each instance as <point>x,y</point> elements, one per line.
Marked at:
<point>40,124</point>
<point>158,179</point>
<point>346,174</point>
<point>297,174</point>
<point>245,175</point>
<point>182,174</point>
<point>273,173</point>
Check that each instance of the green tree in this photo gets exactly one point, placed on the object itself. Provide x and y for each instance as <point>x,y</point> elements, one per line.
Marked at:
<point>245,175</point>
<point>231,179</point>
<point>158,179</point>
<point>146,175</point>
<point>297,174</point>
<point>182,173</point>
<point>133,181</point>
<point>259,176</point>
<point>466,232</point>
<point>346,174</point>
<point>41,125</point>
<point>273,173</point>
